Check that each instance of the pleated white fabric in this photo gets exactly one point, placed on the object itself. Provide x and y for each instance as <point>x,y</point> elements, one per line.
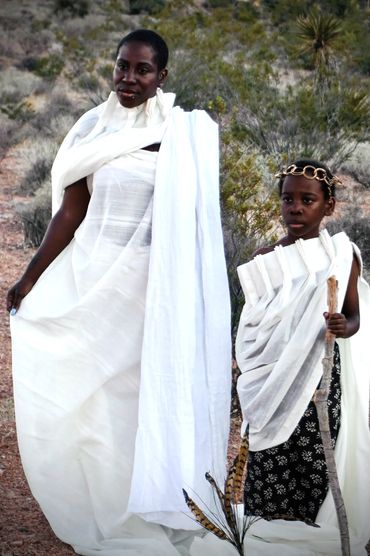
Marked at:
<point>280,339</point>
<point>121,351</point>
<point>279,350</point>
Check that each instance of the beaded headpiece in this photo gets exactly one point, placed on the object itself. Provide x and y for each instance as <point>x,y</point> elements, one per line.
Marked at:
<point>311,173</point>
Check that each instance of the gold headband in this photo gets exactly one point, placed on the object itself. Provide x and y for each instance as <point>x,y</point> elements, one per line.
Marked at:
<point>311,173</point>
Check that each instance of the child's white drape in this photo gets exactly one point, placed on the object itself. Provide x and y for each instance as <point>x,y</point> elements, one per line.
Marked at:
<point>279,348</point>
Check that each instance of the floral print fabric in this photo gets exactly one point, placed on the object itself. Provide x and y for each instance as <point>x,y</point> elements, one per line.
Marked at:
<point>290,480</point>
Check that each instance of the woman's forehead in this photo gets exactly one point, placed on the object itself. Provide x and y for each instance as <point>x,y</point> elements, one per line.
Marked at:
<point>137,49</point>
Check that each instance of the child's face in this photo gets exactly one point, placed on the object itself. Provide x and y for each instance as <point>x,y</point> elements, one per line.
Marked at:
<point>303,206</point>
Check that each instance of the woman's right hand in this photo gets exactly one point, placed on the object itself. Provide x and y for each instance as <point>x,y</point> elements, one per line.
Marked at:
<point>17,293</point>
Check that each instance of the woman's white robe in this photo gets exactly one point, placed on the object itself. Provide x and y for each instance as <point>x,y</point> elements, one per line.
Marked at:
<point>121,352</point>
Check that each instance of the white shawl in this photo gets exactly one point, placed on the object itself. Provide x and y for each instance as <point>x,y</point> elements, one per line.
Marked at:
<point>187,319</point>
<point>280,338</point>
<point>280,341</point>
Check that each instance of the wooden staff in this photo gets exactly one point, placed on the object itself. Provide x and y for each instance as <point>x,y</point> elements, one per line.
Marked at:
<point>321,402</point>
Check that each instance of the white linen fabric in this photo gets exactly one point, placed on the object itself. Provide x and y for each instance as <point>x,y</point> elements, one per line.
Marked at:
<point>280,340</point>
<point>279,350</point>
<point>121,351</point>
<point>105,132</point>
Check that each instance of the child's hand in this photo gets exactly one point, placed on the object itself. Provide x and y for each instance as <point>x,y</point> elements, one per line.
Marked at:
<point>336,323</point>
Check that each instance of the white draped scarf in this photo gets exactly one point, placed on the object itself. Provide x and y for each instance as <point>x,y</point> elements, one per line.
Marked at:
<point>280,338</point>
<point>279,350</point>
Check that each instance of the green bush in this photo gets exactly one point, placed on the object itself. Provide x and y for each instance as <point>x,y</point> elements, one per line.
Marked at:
<point>21,111</point>
<point>219,4</point>
<point>48,67</point>
<point>74,8</point>
<point>250,210</point>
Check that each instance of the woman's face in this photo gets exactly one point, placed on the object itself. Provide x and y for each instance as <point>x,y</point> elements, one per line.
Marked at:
<point>136,75</point>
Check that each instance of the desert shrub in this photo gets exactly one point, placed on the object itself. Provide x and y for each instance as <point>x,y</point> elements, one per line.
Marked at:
<point>8,46</point>
<point>49,67</point>
<point>197,80</point>
<point>35,38</point>
<point>359,49</point>
<point>8,134</point>
<point>57,117</point>
<point>106,71</point>
<point>284,11</point>
<point>36,175</point>
<point>358,165</point>
<point>35,215</point>
<point>72,8</point>
<point>246,12</point>
<point>14,87</point>
<point>288,122</point>
<point>147,6</point>
<point>250,210</point>
<point>95,89</point>
<point>13,93</point>
<point>88,82</point>
<point>21,111</point>
<point>28,63</point>
<point>357,227</point>
<point>90,27</point>
<point>37,159</point>
<point>219,4</point>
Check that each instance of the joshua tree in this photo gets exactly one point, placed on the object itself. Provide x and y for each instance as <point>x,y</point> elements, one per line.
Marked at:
<point>319,35</point>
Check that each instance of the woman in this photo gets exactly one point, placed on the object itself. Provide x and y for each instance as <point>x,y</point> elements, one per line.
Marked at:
<point>120,323</point>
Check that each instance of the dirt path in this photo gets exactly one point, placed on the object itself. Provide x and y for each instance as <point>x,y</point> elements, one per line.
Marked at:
<point>24,530</point>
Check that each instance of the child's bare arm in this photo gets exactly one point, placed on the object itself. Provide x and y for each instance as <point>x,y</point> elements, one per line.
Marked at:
<point>346,323</point>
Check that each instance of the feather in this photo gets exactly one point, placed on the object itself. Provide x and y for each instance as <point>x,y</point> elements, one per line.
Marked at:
<point>202,518</point>
<point>213,483</point>
<point>240,463</point>
<point>234,479</point>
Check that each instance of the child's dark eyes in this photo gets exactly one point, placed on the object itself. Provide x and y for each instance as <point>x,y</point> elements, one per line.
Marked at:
<point>305,200</point>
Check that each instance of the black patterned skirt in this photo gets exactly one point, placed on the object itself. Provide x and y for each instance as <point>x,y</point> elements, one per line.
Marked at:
<point>291,479</point>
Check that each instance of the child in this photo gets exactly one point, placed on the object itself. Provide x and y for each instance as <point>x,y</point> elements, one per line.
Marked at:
<point>279,350</point>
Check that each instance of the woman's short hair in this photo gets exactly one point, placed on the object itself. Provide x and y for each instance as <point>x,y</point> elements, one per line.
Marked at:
<point>151,38</point>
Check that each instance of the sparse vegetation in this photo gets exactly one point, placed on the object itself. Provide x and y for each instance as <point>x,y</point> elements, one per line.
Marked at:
<point>357,227</point>
<point>146,6</point>
<point>35,215</point>
<point>78,8</point>
<point>282,78</point>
